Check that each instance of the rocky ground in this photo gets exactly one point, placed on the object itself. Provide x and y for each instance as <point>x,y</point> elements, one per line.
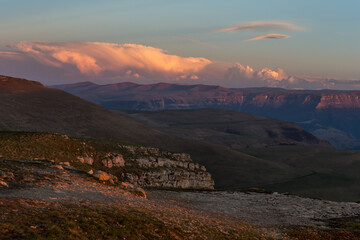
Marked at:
<point>263,209</point>
<point>78,206</point>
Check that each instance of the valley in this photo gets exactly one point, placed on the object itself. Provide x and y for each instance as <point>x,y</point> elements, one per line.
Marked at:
<point>329,114</point>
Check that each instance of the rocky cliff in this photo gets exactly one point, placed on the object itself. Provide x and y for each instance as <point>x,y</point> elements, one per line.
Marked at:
<point>164,169</point>
<point>138,165</point>
<point>150,167</point>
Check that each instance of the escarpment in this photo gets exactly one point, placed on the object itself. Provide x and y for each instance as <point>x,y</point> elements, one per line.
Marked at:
<point>151,167</point>
<point>164,169</point>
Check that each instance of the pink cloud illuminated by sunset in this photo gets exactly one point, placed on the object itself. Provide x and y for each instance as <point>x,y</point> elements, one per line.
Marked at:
<point>268,36</point>
<point>262,26</point>
<point>55,63</point>
<point>94,58</point>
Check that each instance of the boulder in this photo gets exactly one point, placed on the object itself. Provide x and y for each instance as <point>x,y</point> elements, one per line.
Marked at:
<point>107,163</point>
<point>7,176</point>
<point>58,167</point>
<point>113,160</point>
<point>103,176</point>
<point>192,166</point>
<point>65,164</point>
<point>3,184</point>
<point>126,185</point>
<point>138,192</point>
<point>86,159</point>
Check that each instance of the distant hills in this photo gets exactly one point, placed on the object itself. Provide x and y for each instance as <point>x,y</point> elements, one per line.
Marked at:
<point>330,115</point>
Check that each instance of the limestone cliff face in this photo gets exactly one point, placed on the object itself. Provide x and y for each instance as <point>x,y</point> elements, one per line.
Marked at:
<point>151,167</point>
<point>164,169</point>
<point>339,101</point>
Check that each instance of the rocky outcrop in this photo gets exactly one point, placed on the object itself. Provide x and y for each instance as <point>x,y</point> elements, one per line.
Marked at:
<point>103,176</point>
<point>150,167</point>
<point>86,159</point>
<point>111,179</point>
<point>172,178</point>
<point>165,169</point>
<point>113,160</point>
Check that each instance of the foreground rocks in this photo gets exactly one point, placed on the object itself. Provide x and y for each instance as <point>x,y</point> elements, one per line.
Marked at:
<point>106,177</point>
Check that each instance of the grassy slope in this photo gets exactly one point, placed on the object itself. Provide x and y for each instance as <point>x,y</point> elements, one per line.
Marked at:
<point>321,171</point>
<point>224,127</point>
<point>335,173</point>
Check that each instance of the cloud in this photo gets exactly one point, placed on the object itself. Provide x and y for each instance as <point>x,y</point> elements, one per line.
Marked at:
<point>109,59</point>
<point>267,36</point>
<point>55,63</point>
<point>11,55</point>
<point>262,26</point>
<point>196,41</point>
<point>241,76</point>
<point>244,76</point>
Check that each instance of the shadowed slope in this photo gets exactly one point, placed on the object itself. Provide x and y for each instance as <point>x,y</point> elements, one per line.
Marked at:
<point>224,127</point>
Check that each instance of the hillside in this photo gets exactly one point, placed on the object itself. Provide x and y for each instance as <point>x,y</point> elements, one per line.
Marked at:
<point>29,106</point>
<point>330,115</point>
<point>224,127</point>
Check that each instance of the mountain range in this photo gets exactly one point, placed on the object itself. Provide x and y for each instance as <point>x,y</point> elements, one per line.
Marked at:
<point>331,115</point>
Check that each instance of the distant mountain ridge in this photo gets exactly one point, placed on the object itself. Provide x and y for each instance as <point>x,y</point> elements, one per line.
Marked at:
<point>322,112</point>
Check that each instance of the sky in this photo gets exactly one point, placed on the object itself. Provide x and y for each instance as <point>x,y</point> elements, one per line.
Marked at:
<point>234,43</point>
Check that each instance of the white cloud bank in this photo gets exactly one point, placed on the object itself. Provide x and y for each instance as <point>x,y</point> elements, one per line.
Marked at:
<point>55,63</point>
